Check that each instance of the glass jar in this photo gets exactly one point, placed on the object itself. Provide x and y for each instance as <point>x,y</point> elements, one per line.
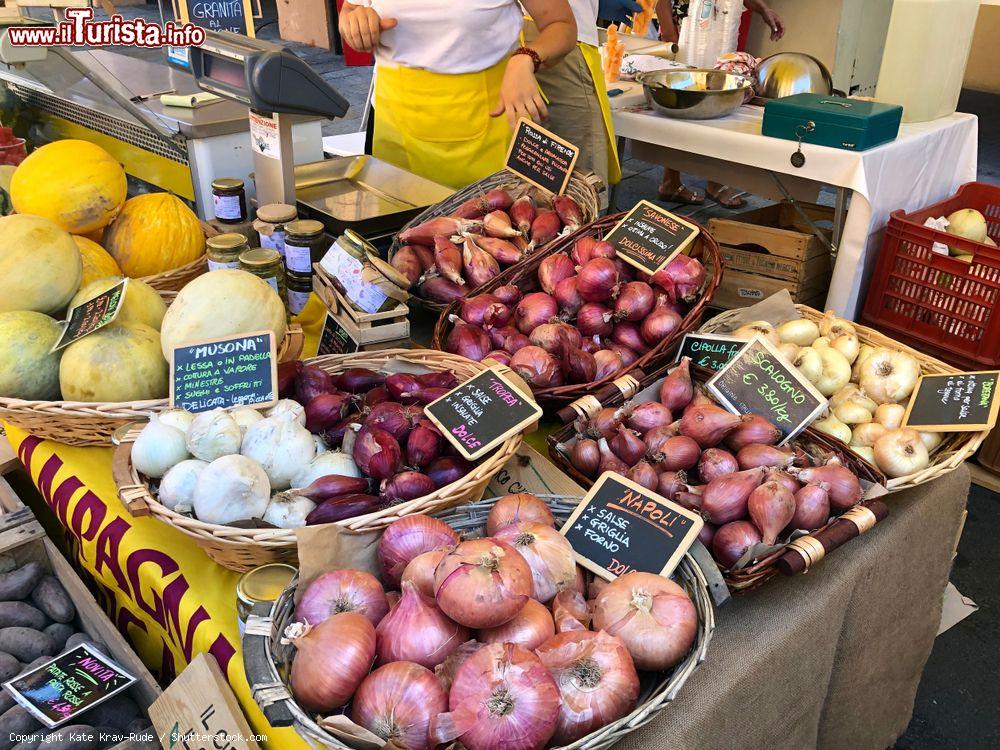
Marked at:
<point>299,288</point>
<point>270,225</point>
<point>304,245</point>
<point>265,263</point>
<point>224,250</point>
<point>263,584</point>
<point>229,199</point>
<point>369,283</point>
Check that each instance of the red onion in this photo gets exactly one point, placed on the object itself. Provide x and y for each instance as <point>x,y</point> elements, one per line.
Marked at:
<point>497,224</point>
<point>812,507</point>
<point>448,260</point>
<point>690,500</point>
<point>423,445</point>
<point>342,591</point>
<point>732,540</point>
<point>698,398</point>
<point>554,269</point>
<point>397,702</point>
<point>479,266</point>
<point>331,660</point>
<point>609,461</point>
<point>659,325</point>
<point>628,356</point>
<point>446,670</point>
<point>287,373</point>
<point>725,498</point>
<point>406,485</point>
<point>602,249</point>
<point>499,356</point>
<point>627,445</point>
<point>754,455</point>
<point>400,383</point>
<point>408,537</point>
<point>570,611</point>
<point>682,278</point>
<point>424,395</point>
<point>377,453</point>
<point>753,429</point>
<point>548,554</point>
<point>626,272</point>
<point>627,334</point>
<point>508,294</point>
<point>784,479</point>
<point>583,250</point>
<point>652,615</point>
<point>359,380</point>
<point>568,210</point>
<point>644,474</point>
<point>596,678</point>
<point>522,507</point>
<point>579,366</point>
<point>672,483</point>
<point>647,416</point>
<point>567,297</point>
<point>707,534</point>
<point>533,310</point>
<point>420,570</point>
<point>597,280</point>
<point>585,457</point>
<point>771,507</point>
<point>591,344</point>
<point>373,397</point>
<point>531,627</point>
<point>391,417</point>
<point>634,302</point>
<point>334,485</point>
<point>604,423</point>
<point>552,337</point>
<point>312,382</point>
<point>708,424</point>
<point>715,463</point>
<point>473,309</point>
<point>344,506</point>
<point>678,453</point>
<point>440,289</point>
<point>522,213</point>
<point>482,583</point>
<point>416,630</point>
<point>845,489</point>
<point>468,341</point>
<point>498,335</point>
<point>536,366</point>
<point>502,698</point>
<point>544,228</point>
<point>447,469</point>
<point>594,319</point>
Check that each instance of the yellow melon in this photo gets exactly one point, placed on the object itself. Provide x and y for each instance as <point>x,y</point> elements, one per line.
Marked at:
<point>97,263</point>
<point>76,184</point>
<point>118,363</point>
<point>40,267</point>
<point>28,367</point>
<point>142,304</point>
<point>155,232</point>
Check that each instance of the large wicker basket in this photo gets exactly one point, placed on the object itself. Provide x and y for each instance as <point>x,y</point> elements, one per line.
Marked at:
<point>525,277</point>
<point>242,549</point>
<point>86,423</point>
<point>584,189</point>
<point>955,449</point>
<point>267,660</point>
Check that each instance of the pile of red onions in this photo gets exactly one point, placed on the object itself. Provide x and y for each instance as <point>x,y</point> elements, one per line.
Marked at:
<point>448,256</point>
<point>589,318</point>
<point>728,468</point>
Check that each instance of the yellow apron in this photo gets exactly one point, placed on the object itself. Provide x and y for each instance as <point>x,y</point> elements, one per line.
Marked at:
<point>592,56</point>
<point>438,125</point>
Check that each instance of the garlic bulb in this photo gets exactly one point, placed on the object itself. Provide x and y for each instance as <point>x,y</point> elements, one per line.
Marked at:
<point>889,376</point>
<point>802,332</point>
<point>291,406</point>
<point>178,418</point>
<point>836,371</point>
<point>864,352</point>
<point>287,511</point>
<point>931,440</point>
<point>758,328</point>
<point>214,434</point>
<point>158,447</point>
<point>901,452</point>
<point>281,446</point>
<point>231,488</point>
<point>809,363</point>
<point>789,350</point>
<point>832,326</point>
<point>834,427</point>
<point>330,462</point>
<point>889,416</point>
<point>245,416</point>
<point>177,487</point>
<point>865,435</point>
<point>848,345</point>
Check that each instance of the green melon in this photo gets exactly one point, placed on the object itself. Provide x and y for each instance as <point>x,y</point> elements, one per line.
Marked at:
<point>28,369</point>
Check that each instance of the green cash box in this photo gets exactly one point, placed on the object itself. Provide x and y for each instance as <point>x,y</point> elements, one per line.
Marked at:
<point>851,124</point>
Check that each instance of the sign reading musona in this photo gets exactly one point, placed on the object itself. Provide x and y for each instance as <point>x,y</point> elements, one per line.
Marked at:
<point>238,370</point>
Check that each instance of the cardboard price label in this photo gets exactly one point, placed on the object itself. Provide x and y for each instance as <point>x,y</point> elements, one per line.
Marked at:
<point>960,402</point>
<point>759,380</point>
<point>233,371</point>
<point>92,315</point>
<point>648,237</point>
<point>334,338</point>
<point>69,684</point>
<point>542,158</point>
<point>709,350</point>
<point>481,413</point>
<point>620,527</point>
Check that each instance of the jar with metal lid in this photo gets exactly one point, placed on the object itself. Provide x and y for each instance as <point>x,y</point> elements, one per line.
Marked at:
<point>304,245</point>
<point>229,199</point>
<point>369,283</point>
<point>265,263</point>
<point>298,288</point>
<point>224,250</point>
<point>263,584</point>
<point>270,225</point>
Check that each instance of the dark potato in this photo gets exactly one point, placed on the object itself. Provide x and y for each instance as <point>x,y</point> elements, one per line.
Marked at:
<point>50,597</point>
<point>18,584</point>
<point>26,644</point>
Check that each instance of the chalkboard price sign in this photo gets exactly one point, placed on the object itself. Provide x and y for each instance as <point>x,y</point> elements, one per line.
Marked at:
<point>648,237</point>
<point>482,412</point>
<point>224,372</point>
<point>759,380</point>
<point>92,315</point>
<point>620,527</point>
<point>709,350</point>
<point>960,402</point>
<point>68,685</point>
<point>219,15</point>
<point>542,158</point>
<point>334,339</point>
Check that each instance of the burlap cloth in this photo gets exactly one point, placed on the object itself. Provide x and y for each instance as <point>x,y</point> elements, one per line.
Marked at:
<point>832,658</point>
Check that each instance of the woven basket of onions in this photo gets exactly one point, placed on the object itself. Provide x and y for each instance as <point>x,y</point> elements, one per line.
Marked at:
<point>575,318</point>
<point>347,443</point>
<point>456,246</point>
<point>756,497</point>
<point>868,378</point>
<point>499,641</point>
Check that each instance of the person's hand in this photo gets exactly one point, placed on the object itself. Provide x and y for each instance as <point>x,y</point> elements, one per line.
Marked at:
<point>360,27</point>
<point>618,11</point>
<point>774,22</point>
<point>519,93</point>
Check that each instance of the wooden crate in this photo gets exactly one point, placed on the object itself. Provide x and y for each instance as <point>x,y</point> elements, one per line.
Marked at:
<point>372,331</point>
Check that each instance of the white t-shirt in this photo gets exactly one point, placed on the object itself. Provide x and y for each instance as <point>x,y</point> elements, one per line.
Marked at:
<point>447,36</point>
<point>585,13</point>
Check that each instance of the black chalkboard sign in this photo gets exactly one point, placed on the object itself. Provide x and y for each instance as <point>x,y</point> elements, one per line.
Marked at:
<point>711,351</point>
<point>759,380</point>
<point>648,237</point>
<point>542,158</point>
<point>69,684</point>
<point>219,15</point>
<point>482,412</point>
<point>620,526</point>
<point>92,315</point>
<point>334,338</point>
<point>224,372</point>
<point>961,402</point>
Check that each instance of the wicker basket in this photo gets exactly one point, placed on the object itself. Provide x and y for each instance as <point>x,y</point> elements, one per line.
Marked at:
<point>525,277</point>
<point>242,549</point>
<point>175,279</point>
<point>584,189</point>
<point>956,447</point>
<point>267,660</point>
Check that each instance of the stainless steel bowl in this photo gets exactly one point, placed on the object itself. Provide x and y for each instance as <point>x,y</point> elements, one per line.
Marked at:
<point>694,94</point>
<point>788,73</point>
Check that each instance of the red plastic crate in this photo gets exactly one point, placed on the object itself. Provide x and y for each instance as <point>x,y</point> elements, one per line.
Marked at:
<point>936,303</point>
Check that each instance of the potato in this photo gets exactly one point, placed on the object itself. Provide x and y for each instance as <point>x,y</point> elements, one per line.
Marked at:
<point>71,737</point>
<point>7,563</point>
<point>50,597</point>
<point>30,744</point>
<point>9,666</point>
<point>21,614</point>
<point>60,632</point>
<point>77,638</point>
<point>15,720</point>
<point>26,644</point>
<point>18,584</point>
<point>115,712</point>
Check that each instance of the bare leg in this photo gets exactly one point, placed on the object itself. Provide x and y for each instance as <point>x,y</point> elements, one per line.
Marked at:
<point>724,195</point>
<point>673,190</point>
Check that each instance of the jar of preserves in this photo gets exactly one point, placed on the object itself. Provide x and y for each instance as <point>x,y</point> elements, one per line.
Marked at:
<point>229,199</point>
<point>224,250</point>
<point>298,288</point>
<point>270,225</point>
<point>265,263</point>
<point>304,245</point>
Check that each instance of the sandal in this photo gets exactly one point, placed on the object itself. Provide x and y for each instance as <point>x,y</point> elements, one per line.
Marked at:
<point>727,197</point>
<point>683,195</point>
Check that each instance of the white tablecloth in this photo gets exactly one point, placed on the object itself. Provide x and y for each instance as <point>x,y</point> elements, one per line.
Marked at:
<point>925,164</point>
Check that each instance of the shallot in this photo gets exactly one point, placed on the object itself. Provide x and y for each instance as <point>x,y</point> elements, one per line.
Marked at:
<point>732,541</point>
<point>771,507</point>
<point>676,390</point>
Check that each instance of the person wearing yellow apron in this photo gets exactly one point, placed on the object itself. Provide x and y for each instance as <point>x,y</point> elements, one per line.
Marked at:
<point>451,80</point>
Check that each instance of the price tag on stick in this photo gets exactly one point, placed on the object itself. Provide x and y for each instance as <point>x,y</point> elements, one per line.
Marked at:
<point>648,237</point>
<point>334,338</point>
<point>232,371</point>
<point>542,158</point>
<point>759,380</point>
<point>620,527</point>
<point>481,413</point>
<point>959,402</point>
<point>92,315</point>
<point>709,350</point>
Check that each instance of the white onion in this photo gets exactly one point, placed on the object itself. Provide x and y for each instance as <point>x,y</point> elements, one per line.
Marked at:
<point>850,412</point>
<point>758,328</point>
<point>931,439</point>
<point>287,511</point>
<point>179,418</point>
<point>889,376</point>
<point>330,462</point>
<point>214,434</point>
<point>245,416</point>
<point>176,489</point>
<point>231,488</point>
<point>832,326</point>
<point>901,452</point>
<point>281,446</point>
<point>833,426</point>
<point>865,435</point>
<point>801,331</point>
<point>848,345</point>
<point>836,371</point>
<point>289,406</point>
<point>890,416</point>
<point>158,448</point>
<point>809,363</point>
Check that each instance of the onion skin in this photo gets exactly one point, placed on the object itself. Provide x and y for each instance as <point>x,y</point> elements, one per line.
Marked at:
<point>448,260</point>
<point>708,424</point>
<point>521,507</point>
<point>568,211</point>
<point>754,455</point>
<point>586,457</point>
<point>583,250</point>
<point>482,583</point>
<point>732,540</point>
<point>530,628</point>
<point>579,366</point>
<point>497,224</point>
<point>652,615</point>
<point>597,280</point>
<point>533,310</point>
<point>725,498</point>
<point>627,355</point>
<point>670,483</point>
<point>397,702</point>
<point>627,334</point>
<point>334,485</point>
<point>634,302</point>
<point>473,309</point>
<point>377,453</point>
<point>548,554</point>
<point>645,417</point>
<point>342,591</point>
<point>755,429</point>
<point>420,570</point>
<point>715,463</point>
<point>771,507</point>
<point>407,262</point>
<point>812,508</point>
<point>408,537</point>
<point>416,630</point>
<point>676,390</point>
<point>331,661</point>
<point>570,611</point>
<point>609,461</point>
<point>844,487</point>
